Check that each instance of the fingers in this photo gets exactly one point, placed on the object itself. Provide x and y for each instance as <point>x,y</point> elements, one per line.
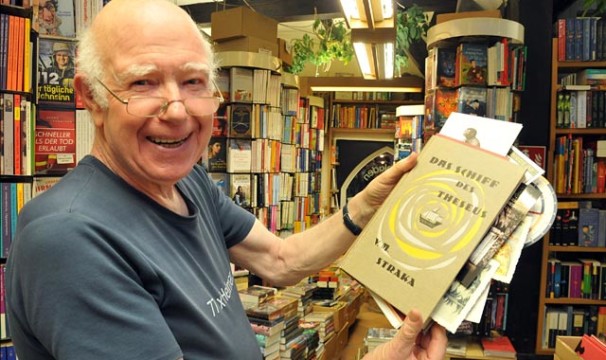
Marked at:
<point>395,172</point>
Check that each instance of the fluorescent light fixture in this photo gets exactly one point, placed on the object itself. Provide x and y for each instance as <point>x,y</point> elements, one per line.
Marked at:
<point>375,51</point>
<point>368,14</point>
<point>405,83</point>
<point>193,2</point>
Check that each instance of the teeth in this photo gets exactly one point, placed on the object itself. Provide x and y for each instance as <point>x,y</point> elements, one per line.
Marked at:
<point>166,141</point>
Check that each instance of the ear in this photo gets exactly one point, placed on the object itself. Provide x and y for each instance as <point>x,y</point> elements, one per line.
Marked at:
<point>85,94</point>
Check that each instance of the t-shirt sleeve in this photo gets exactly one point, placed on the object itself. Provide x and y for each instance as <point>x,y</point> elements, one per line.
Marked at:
<point>235,221</point>
<point>82,299</point>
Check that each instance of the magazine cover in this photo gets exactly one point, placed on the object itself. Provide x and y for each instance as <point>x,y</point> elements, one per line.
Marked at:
<point>55,17</point>
<point>56,69</point>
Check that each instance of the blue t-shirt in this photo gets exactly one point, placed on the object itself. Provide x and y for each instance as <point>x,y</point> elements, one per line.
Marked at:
<point>98,270</point>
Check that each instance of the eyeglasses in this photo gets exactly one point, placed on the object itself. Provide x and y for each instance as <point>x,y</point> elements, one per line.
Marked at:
<point>153,106</point>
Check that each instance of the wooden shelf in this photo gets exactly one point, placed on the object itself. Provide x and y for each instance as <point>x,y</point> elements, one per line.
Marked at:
<point>476,27</point>
<point>572,249</point>
<point>376,102</point>
<point>574,301</point>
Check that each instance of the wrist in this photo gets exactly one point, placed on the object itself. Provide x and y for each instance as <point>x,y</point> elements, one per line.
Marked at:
<point>349,222</point>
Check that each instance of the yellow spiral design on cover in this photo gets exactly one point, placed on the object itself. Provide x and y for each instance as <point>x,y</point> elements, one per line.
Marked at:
<point>433,247</point>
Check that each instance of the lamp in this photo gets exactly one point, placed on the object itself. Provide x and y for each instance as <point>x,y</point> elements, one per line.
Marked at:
<point>373,34</point>
<point>369,14</point>
<point>375,51</point>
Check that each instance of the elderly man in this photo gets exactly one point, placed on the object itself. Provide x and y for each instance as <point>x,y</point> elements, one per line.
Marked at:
<point>128,257</point>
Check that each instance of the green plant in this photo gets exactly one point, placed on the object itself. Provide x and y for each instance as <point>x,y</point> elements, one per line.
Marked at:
<point>333,43</point>
<point>597,7</point>
<point>411,26</point>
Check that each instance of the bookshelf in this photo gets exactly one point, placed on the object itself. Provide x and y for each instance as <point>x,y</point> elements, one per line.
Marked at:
<point>553,247</point>
<point>286,140</point>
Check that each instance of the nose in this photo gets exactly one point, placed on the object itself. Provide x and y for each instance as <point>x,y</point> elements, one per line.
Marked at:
<point>176,111</point>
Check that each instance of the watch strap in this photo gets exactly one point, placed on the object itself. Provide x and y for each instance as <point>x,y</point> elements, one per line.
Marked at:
<point>348,222</point>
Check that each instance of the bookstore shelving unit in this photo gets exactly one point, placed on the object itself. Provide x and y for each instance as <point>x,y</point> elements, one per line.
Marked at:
<point>551,250</point>
<point>446,44</point>
<point>17,99</point>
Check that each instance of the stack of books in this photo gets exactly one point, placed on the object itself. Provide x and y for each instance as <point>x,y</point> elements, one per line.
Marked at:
<point>377,336</point>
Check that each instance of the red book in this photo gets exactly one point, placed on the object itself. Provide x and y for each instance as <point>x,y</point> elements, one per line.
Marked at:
<point>499,347</point>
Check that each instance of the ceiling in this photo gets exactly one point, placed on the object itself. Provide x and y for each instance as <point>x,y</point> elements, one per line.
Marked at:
<point>296,16</point>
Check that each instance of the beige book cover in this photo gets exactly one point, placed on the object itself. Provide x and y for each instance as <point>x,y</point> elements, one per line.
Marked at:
<point>420,238</point>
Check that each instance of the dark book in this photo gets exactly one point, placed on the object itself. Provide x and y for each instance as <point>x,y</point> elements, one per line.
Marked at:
<point>471,100</point>
<point>588,227</point>
<point>240,121</point>
<point>217,154</point>
<point>445,67</point>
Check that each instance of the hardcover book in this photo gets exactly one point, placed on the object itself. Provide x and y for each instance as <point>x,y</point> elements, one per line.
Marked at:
<point>414,246</point>
<point>446,67</point>
<point>471,100</point>
<point>472,64</point>
<point>240,124</point>
<point>55,149</point>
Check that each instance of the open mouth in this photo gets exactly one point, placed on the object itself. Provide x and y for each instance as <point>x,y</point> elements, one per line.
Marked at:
<point>168,143</point>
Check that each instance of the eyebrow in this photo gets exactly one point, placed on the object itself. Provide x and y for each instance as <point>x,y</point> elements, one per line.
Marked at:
<point>140,70</point>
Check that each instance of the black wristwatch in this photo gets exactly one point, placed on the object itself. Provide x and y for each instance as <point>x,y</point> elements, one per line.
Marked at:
<point>349,224</point>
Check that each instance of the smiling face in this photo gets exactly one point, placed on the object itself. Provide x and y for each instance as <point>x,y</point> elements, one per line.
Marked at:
<point>140,59</point>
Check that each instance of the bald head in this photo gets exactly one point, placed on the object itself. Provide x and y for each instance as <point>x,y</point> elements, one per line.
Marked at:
<point>146,25</point>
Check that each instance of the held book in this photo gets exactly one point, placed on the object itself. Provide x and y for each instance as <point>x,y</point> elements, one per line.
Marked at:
<point>422,235</point>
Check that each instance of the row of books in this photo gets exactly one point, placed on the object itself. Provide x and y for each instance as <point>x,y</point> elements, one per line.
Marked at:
<point>594,78</point>
<point>363,95</point>
<point>578,279</point>
<point>7,351</point>
<point>12,198</point>
<point>495,103</point>
<point>16,53</point>
<point>4,332</point>
<point>581,39</point>
<point>572,321</point>
<point>258,156</point>
<point>247,85</point>
<point>581,109</point>
<point>577,168</point>
<point>476,64</point>
<point>578,224</point>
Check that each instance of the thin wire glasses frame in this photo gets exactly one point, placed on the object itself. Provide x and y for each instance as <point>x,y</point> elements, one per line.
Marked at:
<point>157,105</point>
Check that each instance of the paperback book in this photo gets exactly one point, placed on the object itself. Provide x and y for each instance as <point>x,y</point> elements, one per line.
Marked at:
<point>412,249</point>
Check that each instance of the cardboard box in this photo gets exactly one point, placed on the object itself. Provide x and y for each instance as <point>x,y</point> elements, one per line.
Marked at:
<point>440,18</point>
<point>284,53</point>
<point>241,22</point>
<point>565,346</point>
<point>248,43</point>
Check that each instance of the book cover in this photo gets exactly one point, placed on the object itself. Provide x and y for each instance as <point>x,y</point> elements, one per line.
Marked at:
<point>221,180</point>
<point>240,124</point>
<point>221,121</point>
<point>239,189</point>
<point>55,17</point>
<point>241,85</point>
<point>217,154</point>
<point>588,227</point>
<point>445,67</point>
<point>412,249</point>
<point>471,100</point>
<point>472,64</point>
<point>56,69</point>
<point>239,155</point>
<point>55,145</point>
<point>445,102</point>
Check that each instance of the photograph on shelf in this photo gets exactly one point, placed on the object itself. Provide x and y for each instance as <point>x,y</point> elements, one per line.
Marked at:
<point>56,70</point>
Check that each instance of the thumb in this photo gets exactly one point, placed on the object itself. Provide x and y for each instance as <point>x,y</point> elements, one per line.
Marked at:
<point>412,326</point>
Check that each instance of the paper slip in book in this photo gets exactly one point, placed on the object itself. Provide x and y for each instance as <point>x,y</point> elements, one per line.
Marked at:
<point>489,134</point>
<point>419,239</point>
